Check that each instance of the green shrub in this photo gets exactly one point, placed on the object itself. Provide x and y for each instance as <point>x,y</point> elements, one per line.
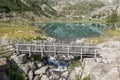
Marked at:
<point>87,77</point>
<point>36,57</point>
<point>73,63</point>
<point>16,75</point>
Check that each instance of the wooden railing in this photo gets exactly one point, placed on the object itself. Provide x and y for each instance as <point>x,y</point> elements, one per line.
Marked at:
<point>57,49</point>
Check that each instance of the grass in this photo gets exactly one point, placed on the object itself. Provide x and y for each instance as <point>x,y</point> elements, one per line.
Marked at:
<point>87,77</point>
<point>21,32</point>
<point>72,21</point>
<point>73,63</point>
<point>112,34</point>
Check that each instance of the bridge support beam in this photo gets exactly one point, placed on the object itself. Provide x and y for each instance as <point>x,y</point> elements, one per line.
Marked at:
<point>42,53</point>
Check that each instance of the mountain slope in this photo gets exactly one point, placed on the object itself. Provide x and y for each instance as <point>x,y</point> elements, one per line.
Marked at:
<point>20,6</point>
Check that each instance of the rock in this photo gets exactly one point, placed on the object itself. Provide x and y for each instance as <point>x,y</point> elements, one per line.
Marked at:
<point>32,66</point>
<point>20,59</point>
<point>65,74</point>
<point>30,75</point>
<point>104,61</point>
<point>56,74</point>
<point>73,75</point>
<point>88,64</point>
<point>39,65</point>
<point>62,78</point>
<point>3,76</point>
<point>41,70</point>
<point>24,68</point>
<point>109,51</point>
<point>4,66</point>
<point>37,77</point>
<point>44,77</point>
<point>105,72</point>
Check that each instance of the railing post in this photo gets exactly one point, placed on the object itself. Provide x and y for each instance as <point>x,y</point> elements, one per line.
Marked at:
<point>68,52</point>
<point>42,52</point>
<point>17,49</point>
<point>95,54</point>
<point>30,51</point>
<point>55,50</point>
<point>81,55</point>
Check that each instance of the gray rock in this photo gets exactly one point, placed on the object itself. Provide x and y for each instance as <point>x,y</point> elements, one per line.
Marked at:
<point>24,68</point>
<point>109,72</point>
<point>3,64</point>
<point>37,77</point>
<point>56,75</point>
<point>32,66</point>
<point>65,74</point>
<point>44,77</point>
<point>3,76</point>
<point>41,70</point>
<point>20,59</point>
<point>30,75</point>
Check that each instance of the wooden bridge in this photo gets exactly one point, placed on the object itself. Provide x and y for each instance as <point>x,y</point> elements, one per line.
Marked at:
<point>58,49</point>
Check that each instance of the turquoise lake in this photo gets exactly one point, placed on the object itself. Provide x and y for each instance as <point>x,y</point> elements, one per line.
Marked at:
<point>72,31</point>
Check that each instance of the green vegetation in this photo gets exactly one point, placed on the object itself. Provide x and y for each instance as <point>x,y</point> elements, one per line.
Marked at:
<point>77,77</point>
<point>83,7</point>
<point>73,63</point>
<point>87,77</point>
<point>36,57</point>
<point>21,32</point>
<point>113,18</point>
<point>17,6</point>
<point>16,75</point>
<point>108,35</point>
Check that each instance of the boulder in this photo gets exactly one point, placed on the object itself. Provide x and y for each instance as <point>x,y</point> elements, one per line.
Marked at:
<point>32,66</point>
<point>24,68</point>
<point>20,59</point>
<point>4,66</point>
<point>37,77</point>
<point>105,72</point>
<point>3,76</point>
<point>42,70</point>
<point>56,74</point>
<point>65,74</point>
<point>30,75</point>
<point>44,77</point>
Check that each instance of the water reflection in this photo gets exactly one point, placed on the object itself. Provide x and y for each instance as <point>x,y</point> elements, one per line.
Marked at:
<point>73,31</point>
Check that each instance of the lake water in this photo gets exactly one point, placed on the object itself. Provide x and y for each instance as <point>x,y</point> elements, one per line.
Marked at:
<point>72,31</point>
